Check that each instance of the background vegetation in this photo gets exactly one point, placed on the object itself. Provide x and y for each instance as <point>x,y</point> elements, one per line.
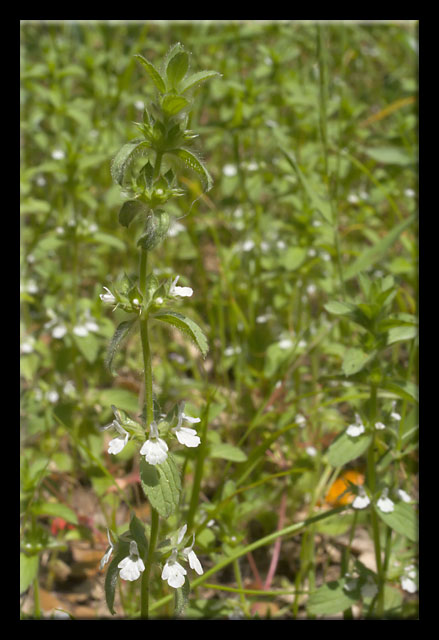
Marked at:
<point>303,261</point>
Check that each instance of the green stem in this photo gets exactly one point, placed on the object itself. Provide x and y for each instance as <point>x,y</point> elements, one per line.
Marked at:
<point>144,602</point>
<point>371,480</point>
<point>37,610</point>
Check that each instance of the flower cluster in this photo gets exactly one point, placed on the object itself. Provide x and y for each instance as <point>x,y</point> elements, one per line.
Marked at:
<point>132,565</point>
<point>173,572</point>
<point>155,449</point>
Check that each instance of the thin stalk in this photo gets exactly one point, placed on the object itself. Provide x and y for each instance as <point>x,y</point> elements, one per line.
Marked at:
<point>238,578</point>
<point>37,610</point>
<point>144,600</point>
<point>371,480</point>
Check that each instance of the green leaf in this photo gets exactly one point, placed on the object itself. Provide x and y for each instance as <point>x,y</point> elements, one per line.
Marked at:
<point>137,530</point>
<point>124,157</point>
<point>161,485</point>
<point>227,451</point>
<point>331,598</point>
<point>177,68</point>
<point>377,251</point>
<point>186,326</point>
<point>181,597</point>
<point>122,398</point>
<point>345,448</point>
<point>28,570</point>
<point>293,258</point>
<point>172,104</point>
<point>113,574</point>
<point>152,72</point>
<point>397,334</point>
<point>156,228</point>
<point>119,336</point>
<point>339,308</point>
<point>390,155</point>
<point>88,346</point>
<point>402,519</point>
<point>355,360</point>
<point>56,510</point>
<point>196,79</point>
<point>194,163</point>
<point>130,210</point>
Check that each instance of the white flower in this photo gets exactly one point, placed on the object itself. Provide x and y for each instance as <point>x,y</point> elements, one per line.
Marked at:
<point>248,245</point>
<point>173,572</point>
<point>385,504</point>
<point>350,582</point>
<point>185,435</point>
<point>117,444</point>
<point>191,557</point>
<point>361,501</point>
<point>59,331</point>
<point>286,343</point>
<point>80,330</point>
<point>380,426</point>
<point>394,414</point>
<point>108,552</point>
<point>52,396</point>
<point>404,495</point>
<point>230,170</point>
<point>183,292</point>
<point>311,451</point>
<point>355,430</point>
<point>132,566</point>
<point>91,325</point>
<point>108,297</point>
<point>154,449</point>
<point>408,584</point>
<point>300,420</point>
<point>58,154</point>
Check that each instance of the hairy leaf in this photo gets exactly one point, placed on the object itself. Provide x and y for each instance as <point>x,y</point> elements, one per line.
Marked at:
<point>130,210</point>
<point>194,163</point>
<point>196,79</point>
<point>119,336</point>
<point>152,72</point>
<point>125,157</point>
<point>177,68</point>
<point>172,104</point>
<point>161,485</point>
<point>187,326</point>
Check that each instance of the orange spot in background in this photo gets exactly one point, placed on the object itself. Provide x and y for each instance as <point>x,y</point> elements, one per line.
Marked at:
<point>339,493</point>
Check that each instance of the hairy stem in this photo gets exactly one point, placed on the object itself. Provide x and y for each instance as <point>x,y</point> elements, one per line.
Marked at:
<point>144,603</point>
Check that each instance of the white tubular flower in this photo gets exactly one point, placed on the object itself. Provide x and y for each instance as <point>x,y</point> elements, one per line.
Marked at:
<point>355,430</point>
<point>117,444</point>
<point>404,495</point>
<point>132,566</point>
<point>362,500</point>
<point>385,504</point>
<point>108,552</point>
<point>154,449</point>
<point>182,292</point>
<point>191,557</point>
<point>394,414</point>
<point>380,426</point>
<point>186,436</point>
<point>173,572</point>
<point>108,297</point>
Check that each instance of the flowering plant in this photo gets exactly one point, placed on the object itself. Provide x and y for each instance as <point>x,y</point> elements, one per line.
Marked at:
<point>149,187</point>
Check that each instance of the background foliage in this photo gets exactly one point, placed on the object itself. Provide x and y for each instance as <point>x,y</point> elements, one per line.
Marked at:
<point>303,261</point>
